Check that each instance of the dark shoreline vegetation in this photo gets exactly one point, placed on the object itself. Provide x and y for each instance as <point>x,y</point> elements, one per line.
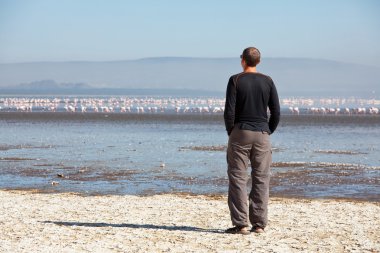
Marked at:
<point>286,119</point>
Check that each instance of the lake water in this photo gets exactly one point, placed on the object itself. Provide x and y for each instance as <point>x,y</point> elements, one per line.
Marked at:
<point>109,153</point>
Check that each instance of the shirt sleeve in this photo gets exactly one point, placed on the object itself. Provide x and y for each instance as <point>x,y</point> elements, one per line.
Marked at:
<point>274,108</point>
<point>229,108</point>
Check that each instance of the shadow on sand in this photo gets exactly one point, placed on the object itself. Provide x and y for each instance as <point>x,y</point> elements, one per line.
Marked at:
<point>137,226</point>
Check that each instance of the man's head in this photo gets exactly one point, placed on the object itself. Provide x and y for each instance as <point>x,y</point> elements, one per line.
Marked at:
<point>250,56</point>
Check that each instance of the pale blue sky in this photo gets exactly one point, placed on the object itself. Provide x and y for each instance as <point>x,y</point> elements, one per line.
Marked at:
<point>68,30</point>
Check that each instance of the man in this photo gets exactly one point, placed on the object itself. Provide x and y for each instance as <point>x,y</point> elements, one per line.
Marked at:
<point>249,94</point>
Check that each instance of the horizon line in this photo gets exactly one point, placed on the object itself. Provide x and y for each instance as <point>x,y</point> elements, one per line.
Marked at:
<point>179,57</point>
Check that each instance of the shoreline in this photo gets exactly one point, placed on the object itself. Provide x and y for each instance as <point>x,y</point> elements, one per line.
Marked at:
<point>211,196</point>
<point>67,222</point>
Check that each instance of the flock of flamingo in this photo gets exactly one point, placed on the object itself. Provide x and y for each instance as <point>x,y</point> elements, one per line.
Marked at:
<point>346,110</point>
<point>333,106</point>
<point>296,106</point>
<point>109,105</point>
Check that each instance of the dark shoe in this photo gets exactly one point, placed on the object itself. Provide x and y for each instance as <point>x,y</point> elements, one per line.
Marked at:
<point>258,230</point>
<point>238,230</point>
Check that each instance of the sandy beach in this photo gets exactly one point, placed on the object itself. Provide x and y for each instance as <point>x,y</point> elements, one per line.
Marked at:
<point>64,222</point>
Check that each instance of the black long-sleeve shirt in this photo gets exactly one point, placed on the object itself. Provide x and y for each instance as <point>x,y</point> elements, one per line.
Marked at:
<point>248,96</point>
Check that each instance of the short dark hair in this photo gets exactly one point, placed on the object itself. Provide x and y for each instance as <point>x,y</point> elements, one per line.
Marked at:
<point>251,56</point>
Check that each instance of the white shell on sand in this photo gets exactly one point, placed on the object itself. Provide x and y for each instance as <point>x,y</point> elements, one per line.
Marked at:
<point>34,222</point>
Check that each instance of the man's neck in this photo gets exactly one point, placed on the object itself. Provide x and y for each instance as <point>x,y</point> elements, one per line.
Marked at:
<point>250,70</point>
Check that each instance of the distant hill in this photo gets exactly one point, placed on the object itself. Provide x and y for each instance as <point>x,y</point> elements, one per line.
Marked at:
<point>293,76</point>
<point>50,84</point>
<point>51,87</point>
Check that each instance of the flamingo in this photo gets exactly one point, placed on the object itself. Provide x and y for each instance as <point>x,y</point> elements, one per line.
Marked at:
<point>294,110</point>
<point>177,109</point>
<point>373,110</point>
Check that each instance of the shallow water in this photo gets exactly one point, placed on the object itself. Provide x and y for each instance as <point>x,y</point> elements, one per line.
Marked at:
<point>314,156</point>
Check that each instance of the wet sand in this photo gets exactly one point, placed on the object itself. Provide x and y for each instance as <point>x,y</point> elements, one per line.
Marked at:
<point>64,222</point>
<point>289,179</point>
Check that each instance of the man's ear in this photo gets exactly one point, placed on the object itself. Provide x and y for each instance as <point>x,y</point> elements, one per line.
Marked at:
<point>243,64</point>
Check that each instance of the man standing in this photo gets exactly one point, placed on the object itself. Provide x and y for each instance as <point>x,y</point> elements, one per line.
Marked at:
<point>249,95</point>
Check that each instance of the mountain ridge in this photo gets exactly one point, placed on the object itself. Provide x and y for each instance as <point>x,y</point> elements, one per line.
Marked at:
<point>292,76</point>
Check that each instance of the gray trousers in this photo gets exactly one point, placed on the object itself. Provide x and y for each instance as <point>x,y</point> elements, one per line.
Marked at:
<point>245,146</point>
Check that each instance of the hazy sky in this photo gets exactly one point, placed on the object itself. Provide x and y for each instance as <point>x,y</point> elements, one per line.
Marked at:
<point>49,30</point>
